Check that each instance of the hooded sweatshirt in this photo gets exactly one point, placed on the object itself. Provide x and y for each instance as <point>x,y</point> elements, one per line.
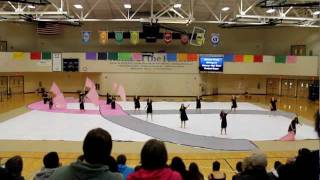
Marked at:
<point>44,174</point>
<point>83,171</point>
<point>125,170</point>
<point>159,174</point>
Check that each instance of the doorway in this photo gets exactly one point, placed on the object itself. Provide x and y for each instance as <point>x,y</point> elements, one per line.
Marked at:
<point>289,87</point>
<point>16,85</point>
<point>273,86</point>
<point>303,88</point>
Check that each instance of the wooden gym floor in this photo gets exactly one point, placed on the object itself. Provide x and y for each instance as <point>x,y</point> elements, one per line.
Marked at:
<point>33,151</point>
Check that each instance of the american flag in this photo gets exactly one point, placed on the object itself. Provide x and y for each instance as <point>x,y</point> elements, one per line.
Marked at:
<point>47,28</point>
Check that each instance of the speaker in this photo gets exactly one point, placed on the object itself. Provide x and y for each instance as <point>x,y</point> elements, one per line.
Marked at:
<point>151,32</point>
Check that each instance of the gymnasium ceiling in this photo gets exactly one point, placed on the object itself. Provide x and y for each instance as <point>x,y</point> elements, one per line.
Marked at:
<point>303,13</point>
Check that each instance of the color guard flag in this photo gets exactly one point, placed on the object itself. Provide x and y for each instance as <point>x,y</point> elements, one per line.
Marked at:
<point>59,100</point>
<point>55,89</point>
<point>103,37</point>
<point>121,92</point>
<point>118,37</point>
<point>114,87</point>
<point>89,83</point>
<point>184,38</point>
<point>167,37</point>
<point>86,36</point>
<point>289,137</point>
<point>134,37</point>
<point>93,96</point>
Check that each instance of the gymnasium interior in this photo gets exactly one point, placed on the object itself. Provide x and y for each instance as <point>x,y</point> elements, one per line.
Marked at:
<point>170,51</point>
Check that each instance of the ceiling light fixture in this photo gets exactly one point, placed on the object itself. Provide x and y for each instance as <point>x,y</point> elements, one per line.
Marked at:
<point>316,13</point>
<point>177,5</point>
<point>225,8</point>
<point>31,6</point>
<point>78,6</point>
<point>127,6</point>
<point>270,11</point>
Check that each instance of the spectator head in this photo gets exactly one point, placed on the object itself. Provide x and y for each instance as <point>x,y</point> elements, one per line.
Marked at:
<point>14,165</point>
<point>304,152</point>
<point>222,113</point>
<point>277,164</point>
<point>239,167</point>
<point>121,159</point>
<point>112,163</point>
<point>255,161</point>
<point>137,168</point>
<point>177,164</point>
<point>216,166</point>
<point>97,146</point>
<point>193,167</point>
<point>153,155</point>
<point>296,120</point>
<point>51,160</point>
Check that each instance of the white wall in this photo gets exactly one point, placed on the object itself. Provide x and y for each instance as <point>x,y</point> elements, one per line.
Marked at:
<point>152,84</point>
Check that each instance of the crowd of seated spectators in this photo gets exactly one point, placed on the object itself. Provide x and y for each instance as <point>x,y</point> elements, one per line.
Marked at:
<point>97,163</point>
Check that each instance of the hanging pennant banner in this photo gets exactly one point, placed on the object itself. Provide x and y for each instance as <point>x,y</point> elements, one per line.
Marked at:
<point>200,39</point>
<point>103,37</point>
<point>198,36</point>
<point>215,39</point>
<point>86,36</point>
<point>184,38</point>
<point>167,37</point>
<point>134,37</point>
<point>118,37</point>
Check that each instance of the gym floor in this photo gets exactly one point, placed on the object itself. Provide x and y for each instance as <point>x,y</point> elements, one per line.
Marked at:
<point>33,151</point>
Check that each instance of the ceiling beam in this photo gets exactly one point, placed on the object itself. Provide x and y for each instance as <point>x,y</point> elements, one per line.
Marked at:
<point>118,8</point>
<point>251,7</point>
<point>138,9</point>
<point>34,13</point>
<point>278,17</point>
<point>91,9</point>
<point>210,10</point>
<point>162,4</point>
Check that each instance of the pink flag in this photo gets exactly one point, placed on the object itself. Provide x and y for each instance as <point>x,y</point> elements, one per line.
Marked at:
<point>114,86</point>
<point>122,93</point>
<point>93,96</point>
<point>89,83</point>
<point>55,89</point>
<point>59,101</point>
<point>289,137</point>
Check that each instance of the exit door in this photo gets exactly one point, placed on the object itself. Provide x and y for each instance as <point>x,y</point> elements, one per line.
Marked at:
<point>3,87</point>
<point>288,87</point>
<point>273,86</point>
<point>16,84</point>
<point>303,88</point>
